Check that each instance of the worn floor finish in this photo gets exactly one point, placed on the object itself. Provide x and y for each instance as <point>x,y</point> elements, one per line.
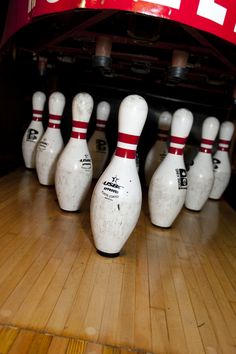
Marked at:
<point>171,291</point>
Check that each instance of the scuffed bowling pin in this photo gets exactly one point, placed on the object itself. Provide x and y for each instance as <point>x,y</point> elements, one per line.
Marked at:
<point>51,144</point>
<point>74,168</point>
<point>117,196</point>
<point>34,131</point>
<point>159,150</point>
<point>168,185</point>
<point>97,144</point>
<point>200,174</point>
<point>221,161</point>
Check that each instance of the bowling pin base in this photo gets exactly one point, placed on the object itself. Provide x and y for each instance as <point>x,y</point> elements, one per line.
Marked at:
<point>108,255</point>
<point>162,227</point>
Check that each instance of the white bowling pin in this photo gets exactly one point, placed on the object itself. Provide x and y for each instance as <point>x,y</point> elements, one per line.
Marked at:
<point>159,150</point>
<point>168,185</point>
<point>74,169</point>
<point>34,131</point>
<point>51,144</point>
<point>200,174</point>
<point>221,161</point>
<point>97,144</point>
<point>117,196</point>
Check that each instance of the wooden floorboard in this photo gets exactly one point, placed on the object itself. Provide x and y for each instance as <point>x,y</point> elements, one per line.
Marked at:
<point>170,291</point>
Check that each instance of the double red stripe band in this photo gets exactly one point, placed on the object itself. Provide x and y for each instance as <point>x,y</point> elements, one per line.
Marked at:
<point>177,140</point>
<point>39,119</point>
<point>54,117</point>
<point>175,151</point>
<point>37,111</point>
<point>226,142</point>
<point>207,151</point>
<point>78,135</point>
<point>207,141</point>
<point>54,125</point>
<point>129,154</point>
<point>79,124</point>
<point>100,121</point>
<point>221,148</point>
<point>128,139</point>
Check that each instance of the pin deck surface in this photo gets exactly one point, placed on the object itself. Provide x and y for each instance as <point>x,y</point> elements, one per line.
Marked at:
<point>170,291</point>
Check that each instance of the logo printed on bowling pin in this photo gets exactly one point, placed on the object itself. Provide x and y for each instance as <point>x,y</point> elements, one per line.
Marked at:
<point>32,135</point>
<point>182,178</point>
<point>34,131</point>
<point>117,197</point>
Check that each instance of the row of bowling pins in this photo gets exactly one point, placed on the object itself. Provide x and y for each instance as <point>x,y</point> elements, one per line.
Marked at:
<point>117,197</point>
<point>42,149</point>
<point>221,161</point>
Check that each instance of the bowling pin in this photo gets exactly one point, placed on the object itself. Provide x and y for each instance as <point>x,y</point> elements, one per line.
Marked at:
<point>159,150</point>
<point>74,167</point>
<point>117,196</point>
<point>51,144</point>
<point>221,161</point>
<point>200,174</point>
<point>97,144</point>
<point>34,131</point>
<point>168,184</point>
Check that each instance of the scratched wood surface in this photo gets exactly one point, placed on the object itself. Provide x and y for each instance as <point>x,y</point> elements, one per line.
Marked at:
<point>171,291</point>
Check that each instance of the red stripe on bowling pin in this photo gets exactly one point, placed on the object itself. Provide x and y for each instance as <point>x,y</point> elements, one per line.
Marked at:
<point>128,139</point>
<point>206,146</point>
<point>82,127</point>
<point>176,140</point>
<point>225,144</point>
<point>162,134</point>
<point>52,123</point>
<point>37,115</point>
<point>100,124</point>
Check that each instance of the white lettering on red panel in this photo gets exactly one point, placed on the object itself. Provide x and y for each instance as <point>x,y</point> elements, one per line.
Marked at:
<point>175,4</point>
<point>214,12</point>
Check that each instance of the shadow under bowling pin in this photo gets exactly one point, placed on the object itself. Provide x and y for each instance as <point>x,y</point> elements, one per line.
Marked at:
<point>221,161</point>
<point>117,197</point>
<point>51,144</point>
<point>34,131</point>
<point>168,185</point>
<point>200,174</point>
<point>74,169</point>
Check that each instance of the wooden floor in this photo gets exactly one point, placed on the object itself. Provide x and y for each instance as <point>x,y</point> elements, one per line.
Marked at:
<point>171,291</point>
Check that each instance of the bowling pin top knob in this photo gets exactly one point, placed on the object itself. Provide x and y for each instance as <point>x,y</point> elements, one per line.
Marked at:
<point>164,123</point>
<point>210,129</point>
<point>38,102</point>
<point>82,107</point>
<point>132,115</point>
<point>181,123</point>
<point>56,103</point>
<point>103,111</point>
<point>225,136</point>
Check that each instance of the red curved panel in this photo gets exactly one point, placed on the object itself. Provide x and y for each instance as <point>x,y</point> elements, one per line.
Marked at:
<point>215,16</point>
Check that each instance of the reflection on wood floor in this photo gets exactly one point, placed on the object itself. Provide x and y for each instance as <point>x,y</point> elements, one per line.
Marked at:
<point>170,291</point>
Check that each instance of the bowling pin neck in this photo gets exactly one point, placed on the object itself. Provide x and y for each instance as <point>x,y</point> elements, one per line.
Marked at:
<point>79,130</point>
<point>37,115</point>
<point>223,145</point>
<point>127,145</point>
<point>100,125</point>
<point>206,146</point>
<point>54,121</point>
<point>176,145</point>
<point>162,134</point>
